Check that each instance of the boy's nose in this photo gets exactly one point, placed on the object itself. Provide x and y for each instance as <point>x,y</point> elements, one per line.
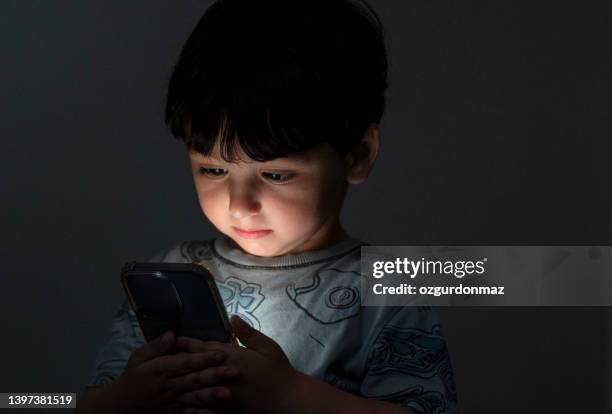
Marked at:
<point>243,203</point>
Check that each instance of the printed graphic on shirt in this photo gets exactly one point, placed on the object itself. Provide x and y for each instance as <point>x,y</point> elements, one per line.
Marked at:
<point>196,251</point>
<point>415,353</point>
<point>241,298</point>
<point>328,297</point>
<point>408,350</point>
<point>416,398</point>
<point>317,341</point>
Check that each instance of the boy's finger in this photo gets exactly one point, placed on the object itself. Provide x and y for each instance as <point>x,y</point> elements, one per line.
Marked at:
<point>204,396</point>
<point>196,345</point>
<point>202,379</point>
<point>181,364</point>
<point>155,348</point>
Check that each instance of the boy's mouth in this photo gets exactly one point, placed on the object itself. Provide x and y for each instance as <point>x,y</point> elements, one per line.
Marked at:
<point>252,233</point>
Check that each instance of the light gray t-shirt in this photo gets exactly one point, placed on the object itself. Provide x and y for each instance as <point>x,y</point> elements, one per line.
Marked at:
<point>309,303</point>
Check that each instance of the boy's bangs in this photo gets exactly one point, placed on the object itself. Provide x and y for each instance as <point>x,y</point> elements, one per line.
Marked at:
<point>267,114</point>
<point>257,131</point>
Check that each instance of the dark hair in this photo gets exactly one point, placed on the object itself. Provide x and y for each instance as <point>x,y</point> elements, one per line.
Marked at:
<point>279,76</point>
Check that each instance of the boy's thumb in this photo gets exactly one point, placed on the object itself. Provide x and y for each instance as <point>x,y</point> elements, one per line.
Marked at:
<point>252,338</point>
<point>157,347</point>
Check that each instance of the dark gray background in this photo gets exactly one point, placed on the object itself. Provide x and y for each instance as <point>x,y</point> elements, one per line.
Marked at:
<point>497,130</point>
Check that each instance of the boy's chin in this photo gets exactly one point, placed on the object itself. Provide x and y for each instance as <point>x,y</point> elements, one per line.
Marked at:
<point>253,247</point>
<point>259,248</point>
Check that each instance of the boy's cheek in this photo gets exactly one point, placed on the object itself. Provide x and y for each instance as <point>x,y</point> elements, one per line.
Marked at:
<point>210,191</point>
<point>212,204</point>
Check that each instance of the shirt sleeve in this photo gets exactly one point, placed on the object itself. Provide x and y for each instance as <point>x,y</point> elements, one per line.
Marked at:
<point>125,337</point>
<point>112,357</point>
<point>409,365</point>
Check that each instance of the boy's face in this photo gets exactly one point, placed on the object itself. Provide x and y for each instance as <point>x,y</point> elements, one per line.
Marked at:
<point>286,205</point>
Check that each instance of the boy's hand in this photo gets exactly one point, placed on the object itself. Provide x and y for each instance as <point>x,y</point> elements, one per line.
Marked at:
<point>152,380</point>
<point>264,374</point>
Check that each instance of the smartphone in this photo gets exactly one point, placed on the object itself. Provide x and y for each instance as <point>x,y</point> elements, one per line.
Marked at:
<point>181,297</point>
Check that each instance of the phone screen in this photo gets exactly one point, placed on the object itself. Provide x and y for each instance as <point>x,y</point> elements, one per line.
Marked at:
<point>178,297</point>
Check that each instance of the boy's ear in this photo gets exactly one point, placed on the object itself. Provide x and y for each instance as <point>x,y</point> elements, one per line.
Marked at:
<point>360,160</point>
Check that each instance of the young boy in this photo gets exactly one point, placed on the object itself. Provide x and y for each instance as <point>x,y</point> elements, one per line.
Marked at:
<point>279,104</point>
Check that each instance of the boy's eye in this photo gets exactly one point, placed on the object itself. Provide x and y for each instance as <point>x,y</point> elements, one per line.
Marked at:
<point>278,177</point>
<point>212,172</point>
